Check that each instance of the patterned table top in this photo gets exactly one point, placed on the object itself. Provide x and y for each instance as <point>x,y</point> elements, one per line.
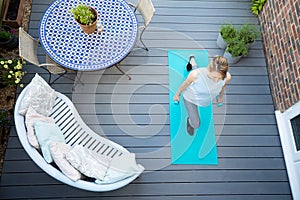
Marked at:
<point>65,42</point>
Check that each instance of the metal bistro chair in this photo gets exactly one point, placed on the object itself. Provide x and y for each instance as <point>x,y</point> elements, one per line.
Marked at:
<point>28,51</point>
<point>147,10</point>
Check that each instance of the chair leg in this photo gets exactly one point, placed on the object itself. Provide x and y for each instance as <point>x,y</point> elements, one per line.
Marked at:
<point>49,80</point>
<point>145,48</point>
<point>50,83</point>
<point>78,79</point>
<point>117,66</point>
<point>60,75</point>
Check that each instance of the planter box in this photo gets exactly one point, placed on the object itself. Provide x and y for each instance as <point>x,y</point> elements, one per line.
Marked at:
<point>13,14</point>
<point>2,6</point>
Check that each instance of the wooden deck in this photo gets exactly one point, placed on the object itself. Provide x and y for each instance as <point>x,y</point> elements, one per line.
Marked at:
<point>136,114</point>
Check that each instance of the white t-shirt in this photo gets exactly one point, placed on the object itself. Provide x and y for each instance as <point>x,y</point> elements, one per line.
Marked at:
<point>202,91</point>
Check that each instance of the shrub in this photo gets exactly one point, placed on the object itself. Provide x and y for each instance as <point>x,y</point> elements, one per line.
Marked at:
<point>237,47</point>
<point>248,33</point>
<point>228,31</point>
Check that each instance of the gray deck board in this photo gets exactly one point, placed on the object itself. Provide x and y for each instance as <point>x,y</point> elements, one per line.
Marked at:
<point>135,113</point>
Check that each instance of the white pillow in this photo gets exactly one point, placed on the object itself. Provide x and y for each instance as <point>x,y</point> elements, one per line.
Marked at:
<point>58,152</point>
<point>47,133</point>
<point>87,163</point>
<point>30,118</point>
<point>121,167</point>
<point>39,96</point>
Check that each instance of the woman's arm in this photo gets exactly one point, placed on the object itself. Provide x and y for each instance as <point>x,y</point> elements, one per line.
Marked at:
<point>228,78</point>
<point>191,78</point>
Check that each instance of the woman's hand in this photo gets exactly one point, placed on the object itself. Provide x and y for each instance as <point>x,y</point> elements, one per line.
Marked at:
<point>219,99</point>
<point>191,78</point>
<point>176,98</point>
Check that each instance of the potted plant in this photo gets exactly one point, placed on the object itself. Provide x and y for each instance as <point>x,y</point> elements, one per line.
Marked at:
<point>7,38</point>
<point>86,16</point>
<point>226,33</point>
<point>235,50</point>
<point>249,34</point>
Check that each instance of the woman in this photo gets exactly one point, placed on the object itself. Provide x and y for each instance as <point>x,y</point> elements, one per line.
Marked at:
<point>201,87</point>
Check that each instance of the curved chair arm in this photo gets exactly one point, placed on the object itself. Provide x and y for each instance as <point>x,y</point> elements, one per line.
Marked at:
<point>47,65</point>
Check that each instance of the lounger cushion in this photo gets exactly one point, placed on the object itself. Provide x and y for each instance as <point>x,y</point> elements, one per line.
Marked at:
<point>87,162</point>
<point>31,117</point>
<point>47,133</point>
<point>121,167</point>
<point>39,95</point>
<point>58,152</point>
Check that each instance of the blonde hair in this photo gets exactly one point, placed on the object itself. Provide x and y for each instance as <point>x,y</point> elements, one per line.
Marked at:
<point>219,64</point>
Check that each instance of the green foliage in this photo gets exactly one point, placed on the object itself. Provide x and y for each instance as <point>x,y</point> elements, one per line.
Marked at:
<point>238,42</point>
<point>248,33</point>
<point>5,34</point>
<point>237,47</point>
<point>228,31</point>
<point>11,71</point>
<point>257,5</point>
<point>83,14</point>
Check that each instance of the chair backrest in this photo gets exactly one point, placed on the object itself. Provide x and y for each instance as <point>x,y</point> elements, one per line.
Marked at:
<point>147,10</point>
<point>28,47</point>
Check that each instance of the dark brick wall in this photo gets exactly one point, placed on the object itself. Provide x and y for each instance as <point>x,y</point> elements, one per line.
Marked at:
<point>280,26</point>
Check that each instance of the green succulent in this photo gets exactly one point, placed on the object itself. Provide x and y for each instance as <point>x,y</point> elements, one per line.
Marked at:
<point>83,14</point>
<point>257,5</point>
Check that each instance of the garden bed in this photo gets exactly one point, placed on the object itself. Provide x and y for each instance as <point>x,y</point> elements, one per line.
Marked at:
<point>8,94</point>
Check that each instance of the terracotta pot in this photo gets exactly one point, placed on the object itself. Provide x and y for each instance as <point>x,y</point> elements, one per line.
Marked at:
<point>89,29</point>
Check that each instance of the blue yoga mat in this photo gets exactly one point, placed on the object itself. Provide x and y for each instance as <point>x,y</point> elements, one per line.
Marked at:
<point>201,147</point>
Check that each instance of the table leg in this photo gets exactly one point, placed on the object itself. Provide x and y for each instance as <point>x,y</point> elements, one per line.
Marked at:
<point>118,67</point>
<point>77,79</point>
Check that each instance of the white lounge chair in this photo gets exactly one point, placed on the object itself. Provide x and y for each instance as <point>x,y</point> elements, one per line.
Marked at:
<point>75,132</point>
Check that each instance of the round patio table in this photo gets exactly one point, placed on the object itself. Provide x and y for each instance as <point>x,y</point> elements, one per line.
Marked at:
<point>65,42</point>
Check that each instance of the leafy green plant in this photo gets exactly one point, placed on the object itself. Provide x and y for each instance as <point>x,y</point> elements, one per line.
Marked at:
<point>5,34</point>
<point>257,5</point>
<point>239,44</point>
<point>228,31</point>
<point>83,14</point>
<point>248,33</point>
<point>237,47</point>
<point>11,71</point>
